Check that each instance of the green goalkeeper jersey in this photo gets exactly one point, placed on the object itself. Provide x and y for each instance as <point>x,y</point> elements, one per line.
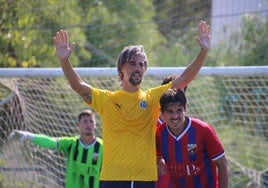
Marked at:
<point>83,162</point>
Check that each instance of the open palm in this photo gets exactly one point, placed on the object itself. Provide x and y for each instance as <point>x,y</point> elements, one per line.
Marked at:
<point>61,42</point>
<point>204,35</point>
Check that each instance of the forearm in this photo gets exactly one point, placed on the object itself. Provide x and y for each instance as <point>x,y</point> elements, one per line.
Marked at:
<point>223,178</point>
<point>191,71</point>
<point>77,84</point>
<point>223,172</point>
<point>73,78</point>
<point>45,141</point>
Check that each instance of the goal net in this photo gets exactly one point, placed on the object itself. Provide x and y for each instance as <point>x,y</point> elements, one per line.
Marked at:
<point>234,100</point>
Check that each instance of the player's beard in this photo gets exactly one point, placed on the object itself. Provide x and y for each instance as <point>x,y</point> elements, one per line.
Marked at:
<point>134,81</point>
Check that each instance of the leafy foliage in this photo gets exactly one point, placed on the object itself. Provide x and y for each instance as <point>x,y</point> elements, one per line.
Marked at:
<point>102,28</point>
<point>245,48</point>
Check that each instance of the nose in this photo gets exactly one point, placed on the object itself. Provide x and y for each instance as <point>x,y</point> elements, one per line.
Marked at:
<point>175,115</point>
<point>89,125</point>
<point>139,67</point>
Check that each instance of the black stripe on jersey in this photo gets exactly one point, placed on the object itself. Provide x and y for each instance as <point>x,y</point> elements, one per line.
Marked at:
<point>91,181</point>
<point>76,150</point>
<point>69,148</point>
<point>96,150</point>
<point>84,156</point>
<point>82,178</point>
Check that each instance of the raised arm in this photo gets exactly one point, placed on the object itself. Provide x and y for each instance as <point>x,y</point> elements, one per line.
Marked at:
<point>192,70</point>
<point>64,50</point>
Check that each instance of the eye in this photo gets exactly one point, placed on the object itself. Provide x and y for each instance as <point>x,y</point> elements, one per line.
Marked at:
<point>142,64</point>
<point>169,112</point>
<point>180,110</point>
<point>132,63</point>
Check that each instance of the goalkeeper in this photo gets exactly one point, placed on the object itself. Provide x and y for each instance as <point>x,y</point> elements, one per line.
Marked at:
<point>83,152</point>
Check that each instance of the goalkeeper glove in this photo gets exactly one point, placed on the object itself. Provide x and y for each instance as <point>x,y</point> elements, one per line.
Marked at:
<point>21,135</point>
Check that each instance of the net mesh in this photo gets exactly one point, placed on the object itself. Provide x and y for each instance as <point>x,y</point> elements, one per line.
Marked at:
<point>236,106</point>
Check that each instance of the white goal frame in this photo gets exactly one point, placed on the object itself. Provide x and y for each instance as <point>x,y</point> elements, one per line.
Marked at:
<point>233,99</point>
<point>102,71</point>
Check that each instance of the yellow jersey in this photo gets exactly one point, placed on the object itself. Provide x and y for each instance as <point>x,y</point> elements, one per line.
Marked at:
<point>128,131</point>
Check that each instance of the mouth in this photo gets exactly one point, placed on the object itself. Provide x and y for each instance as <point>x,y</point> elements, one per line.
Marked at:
<point>135,78</point>
<point>136,75</point>
<point>88,129</point>
<point>175,122</point>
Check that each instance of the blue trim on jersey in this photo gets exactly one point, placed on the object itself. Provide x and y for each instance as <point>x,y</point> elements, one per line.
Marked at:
<point>208,169</point>
<point>178,153</point>
<point>197,182</point>
<point>182,182</point>
<point>218,156</point>
<point>165,146</point>
<point>192,140</point>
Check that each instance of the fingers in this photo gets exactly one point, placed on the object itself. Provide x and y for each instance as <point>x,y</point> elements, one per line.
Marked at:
<point>204,35</point>
<point>200,27</point>
<point>203,28</point>
<point>15,135</point>
<point>56,38</point>
<point>72,45</point>
<point>61,37</point>
<point>64,36</point>
<point>11,136</point>
<point>207,31</point>
<point>161,166</point>
<point>198,40</point>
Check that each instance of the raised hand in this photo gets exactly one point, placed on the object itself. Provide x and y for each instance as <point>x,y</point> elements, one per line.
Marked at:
<point>20,135</point>
<point>204,35</point>
<point>61,41</point>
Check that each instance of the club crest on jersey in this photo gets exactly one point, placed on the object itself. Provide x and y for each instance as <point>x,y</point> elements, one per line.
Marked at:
<point>95,157</point>
<point>192,148</point>
<point>143,104</point>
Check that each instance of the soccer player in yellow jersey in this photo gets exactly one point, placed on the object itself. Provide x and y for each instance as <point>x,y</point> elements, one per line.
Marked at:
<point>129,115</point>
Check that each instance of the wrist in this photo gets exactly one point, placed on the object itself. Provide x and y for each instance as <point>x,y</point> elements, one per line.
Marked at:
<point>64,60</point>
<point>30,136</point>
<point>204,50</point>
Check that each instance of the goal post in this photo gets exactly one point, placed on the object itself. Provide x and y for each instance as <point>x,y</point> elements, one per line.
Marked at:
<point>106,71</point>
<point>234,100</point>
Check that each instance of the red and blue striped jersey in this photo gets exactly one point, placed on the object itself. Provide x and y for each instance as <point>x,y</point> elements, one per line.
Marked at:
<point>189,156</point>
<point>163,180</point>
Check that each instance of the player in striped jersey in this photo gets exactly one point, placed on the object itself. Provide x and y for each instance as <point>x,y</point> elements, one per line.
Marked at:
<point>83,152</point>
<point>193,153</point>
<point>163,177</point>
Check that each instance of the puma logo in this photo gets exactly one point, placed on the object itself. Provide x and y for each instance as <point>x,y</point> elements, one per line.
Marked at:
<point>118,106</point>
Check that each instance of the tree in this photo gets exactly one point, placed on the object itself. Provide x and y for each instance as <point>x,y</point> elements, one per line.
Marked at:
<point>100,28</point>
<point>253,49</point>
<point>247,47</point>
